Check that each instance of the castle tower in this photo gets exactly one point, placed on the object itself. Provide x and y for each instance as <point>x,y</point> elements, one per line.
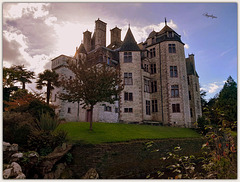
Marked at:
<point>87,40</point>
<point>130,65</point>
<point>193,89</point>
<point>100,33</point>
<point>174,88</point>
<point>115,35</point>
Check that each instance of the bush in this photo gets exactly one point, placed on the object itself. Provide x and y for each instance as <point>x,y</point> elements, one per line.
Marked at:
<point>47,123</point>
<point>17,127</point>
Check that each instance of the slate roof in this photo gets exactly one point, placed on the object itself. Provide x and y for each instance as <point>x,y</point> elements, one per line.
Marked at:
<point>190,68</point>
<point>129,43</point>
<point>166,29</point>
<point>152,34</point>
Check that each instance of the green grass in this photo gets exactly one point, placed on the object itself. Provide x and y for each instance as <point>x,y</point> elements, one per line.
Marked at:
<point>115,132</point>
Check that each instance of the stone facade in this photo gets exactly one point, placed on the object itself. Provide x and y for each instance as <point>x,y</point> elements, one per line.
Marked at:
<point>161,86</point>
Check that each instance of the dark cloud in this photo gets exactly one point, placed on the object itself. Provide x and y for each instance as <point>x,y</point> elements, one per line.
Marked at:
<point>12,54</point>
<point>40,37</point>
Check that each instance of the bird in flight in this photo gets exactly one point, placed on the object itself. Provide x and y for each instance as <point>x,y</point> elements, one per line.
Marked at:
<point>207,15</point>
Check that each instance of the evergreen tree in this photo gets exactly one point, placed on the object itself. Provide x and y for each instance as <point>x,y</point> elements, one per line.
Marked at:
<point>227,100</point>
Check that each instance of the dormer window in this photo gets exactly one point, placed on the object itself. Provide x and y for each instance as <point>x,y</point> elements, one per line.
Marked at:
<point>127,57</point>
<point>170,34</point>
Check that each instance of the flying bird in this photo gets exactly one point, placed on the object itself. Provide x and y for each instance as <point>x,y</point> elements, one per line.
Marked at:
<point>207,15</point>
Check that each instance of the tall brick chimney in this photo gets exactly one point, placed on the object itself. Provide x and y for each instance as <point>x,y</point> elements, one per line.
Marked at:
<point>87,40</point>
<point>115,35</point>
<point>100,32</point>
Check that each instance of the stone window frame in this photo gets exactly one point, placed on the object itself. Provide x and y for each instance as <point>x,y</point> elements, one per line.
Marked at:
<point>107,108</point>
<point>173,72</point>
<point>69,110</point>
<point>153,68</point>
<point>154,86</point>
<point>171,48</point>
<point>191,112</point>
<point>128,110</point>
<point>176,108</point>
<point>152,53</point>
<point>147,84</point>
<point>154,106</point>
<point>127,57</point>
<point>148,107</point>
<point>174,91</point>
<point>189,94</point>
<point>128,96</point>
<point>128,79</point>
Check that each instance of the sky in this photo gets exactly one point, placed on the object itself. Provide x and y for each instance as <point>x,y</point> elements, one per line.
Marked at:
<point>35,33</point>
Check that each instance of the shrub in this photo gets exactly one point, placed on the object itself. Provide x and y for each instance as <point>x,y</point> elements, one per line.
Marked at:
<point>48,123</point>
<point>17,127</point>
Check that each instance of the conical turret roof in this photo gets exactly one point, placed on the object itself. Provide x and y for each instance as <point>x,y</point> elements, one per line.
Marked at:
<point>129,43</point>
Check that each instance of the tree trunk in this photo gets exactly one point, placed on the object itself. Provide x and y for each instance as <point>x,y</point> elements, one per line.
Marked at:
<point>91,114</point>
<point>23,85</point>
<point>48,91</point>
<point>78,111</point>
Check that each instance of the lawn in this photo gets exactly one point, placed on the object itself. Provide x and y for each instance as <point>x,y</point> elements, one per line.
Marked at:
<point>116,132</point>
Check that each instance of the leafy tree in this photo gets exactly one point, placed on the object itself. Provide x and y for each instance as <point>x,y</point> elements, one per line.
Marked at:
<point>47,78</point>
<point>91,84</point>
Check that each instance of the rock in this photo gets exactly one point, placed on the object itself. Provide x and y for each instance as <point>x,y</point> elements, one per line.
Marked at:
<point>7,173</point>
<point>13,147</point>
<point>49,161</point>
<point>16,169</point>
<point>33,154</point>
<point>15,157</point>
<point>6,146</point>
<point>91,174</point>
<point>49,176</point>
<point>21,176</point>
<point>60,168</point>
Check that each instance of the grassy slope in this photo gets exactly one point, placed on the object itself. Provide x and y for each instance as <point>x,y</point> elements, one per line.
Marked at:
<point>108,132</point>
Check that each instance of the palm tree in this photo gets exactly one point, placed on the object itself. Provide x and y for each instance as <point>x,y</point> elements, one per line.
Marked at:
<point>47,78</point>
<point>23,75</point>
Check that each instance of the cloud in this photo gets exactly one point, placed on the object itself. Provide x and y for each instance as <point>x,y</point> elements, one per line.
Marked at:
<point>213,88</point>
<point>225,52</point>
<point>17,10</point>
<point>186,46</point>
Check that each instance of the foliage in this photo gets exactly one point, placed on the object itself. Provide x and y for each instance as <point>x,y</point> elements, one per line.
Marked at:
<point>92,83</point>
<point>202,122</point>
<point>218,159</point>
<point>22,101</point>
<point>49,79</point>
<point>116,132</point>
<point>17,73</point>
<point>221,161</point>
<point>17,127</point>
<point>45,138</point>
<point>48,123</point>
<point>227,100</point>
<point>222,108</point>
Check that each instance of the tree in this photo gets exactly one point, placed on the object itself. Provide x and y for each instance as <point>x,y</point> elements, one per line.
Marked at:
<point>23,75</point>
<point>48,78</point>
<point>227,100</point>
<point>92,83</point>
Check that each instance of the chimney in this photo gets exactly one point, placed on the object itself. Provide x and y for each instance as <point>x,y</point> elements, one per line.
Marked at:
<point>115,35</point>
<point>100,32</point>
<point>87,40</point>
